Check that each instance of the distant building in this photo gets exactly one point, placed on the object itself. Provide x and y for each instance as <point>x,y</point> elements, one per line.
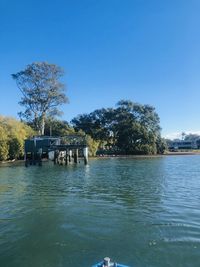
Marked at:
<point>183,145</point>
<point>40,143</point>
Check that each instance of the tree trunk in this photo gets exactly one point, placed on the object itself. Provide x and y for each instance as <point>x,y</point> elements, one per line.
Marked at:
<point>37,123</point>
<point>42,124</point>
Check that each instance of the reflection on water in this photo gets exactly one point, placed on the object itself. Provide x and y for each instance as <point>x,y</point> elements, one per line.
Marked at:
<point>139,211</point>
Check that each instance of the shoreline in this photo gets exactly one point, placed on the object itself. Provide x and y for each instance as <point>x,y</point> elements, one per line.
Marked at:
<point>182,153</point>
<point>10,162</point>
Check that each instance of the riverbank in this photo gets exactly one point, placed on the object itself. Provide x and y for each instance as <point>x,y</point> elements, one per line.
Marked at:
<point>181,153</point>
<point>168,153</point>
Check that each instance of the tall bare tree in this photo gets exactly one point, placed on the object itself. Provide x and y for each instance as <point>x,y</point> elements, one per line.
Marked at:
<point>42,93</point>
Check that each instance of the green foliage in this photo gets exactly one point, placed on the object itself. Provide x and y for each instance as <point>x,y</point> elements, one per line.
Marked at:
<point>131,127</point>
<point>42,93</point>
<point>56,127</point>
<point>161,144</point>
<point>92,145</point>
<point>3,150</point>
<point>16,147</point>
<point>3,143</point>
<point>12,135</point>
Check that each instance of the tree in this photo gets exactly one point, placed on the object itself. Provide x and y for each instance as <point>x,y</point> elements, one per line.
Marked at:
<point>191,137</point>
<point>143,114</point>
<point>4,148</point>
<point>161,145</point>
<point>137,129</point>
<point>131,128</point>
<point>42,93</point>
<point>12,135</point>
<point>56,127</point>
<point>98,124</point>
<point>183,134</point>
<point>93,145</point>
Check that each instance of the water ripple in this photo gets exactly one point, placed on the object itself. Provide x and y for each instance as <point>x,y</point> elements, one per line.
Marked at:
<point>145,211</point>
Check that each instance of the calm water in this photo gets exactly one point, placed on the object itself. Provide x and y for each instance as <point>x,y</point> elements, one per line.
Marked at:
<point>141,212</point>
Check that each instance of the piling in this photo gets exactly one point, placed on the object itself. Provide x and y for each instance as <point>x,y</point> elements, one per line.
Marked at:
<point>56,153</point>
<point>76,156</point>
<point>85,154</point>
<point>70,155</point>
<point>39,156</point>
<point>66,157</point>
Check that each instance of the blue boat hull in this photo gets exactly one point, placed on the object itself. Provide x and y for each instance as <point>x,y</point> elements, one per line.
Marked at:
<point>117,265</point>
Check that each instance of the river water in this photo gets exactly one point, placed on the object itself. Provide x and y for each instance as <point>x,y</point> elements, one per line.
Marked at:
<point>143,212</point>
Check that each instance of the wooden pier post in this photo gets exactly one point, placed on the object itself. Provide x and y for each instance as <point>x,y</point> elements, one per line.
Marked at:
<point>54,159</point>
<point>76,156</point>
<point>31,158</point>
<point>40,157</point>
<point>34,158</point>
<point>56,156</point>
<point>25,158</point>
<point>60,158</point>
<point>85,154</point>
<point>70,155</point>
<point>66,157</point>
<point>34,154</point>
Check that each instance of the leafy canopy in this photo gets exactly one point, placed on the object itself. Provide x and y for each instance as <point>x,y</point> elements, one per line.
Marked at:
<point>131,128</point>
<point>42,92</point>
<point>12,135</point>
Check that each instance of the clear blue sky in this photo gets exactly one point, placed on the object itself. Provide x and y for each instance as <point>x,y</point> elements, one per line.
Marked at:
<point>147,51</point>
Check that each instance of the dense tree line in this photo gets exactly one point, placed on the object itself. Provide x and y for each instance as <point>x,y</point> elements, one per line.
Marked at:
<point>12,135</point>
<point>130,128</point>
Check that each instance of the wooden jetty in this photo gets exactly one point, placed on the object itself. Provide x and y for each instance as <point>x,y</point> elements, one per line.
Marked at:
<point>62,150</point>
